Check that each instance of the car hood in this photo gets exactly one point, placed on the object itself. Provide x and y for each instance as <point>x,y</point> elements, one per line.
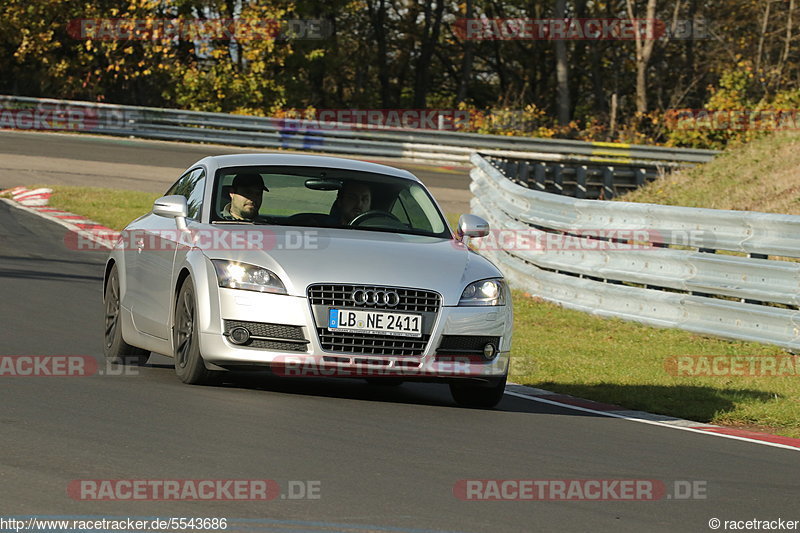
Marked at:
<point>304,256</point>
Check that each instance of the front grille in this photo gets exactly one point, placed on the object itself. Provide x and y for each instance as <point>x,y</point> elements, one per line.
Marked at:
<point>465,344</point>
<point>414,300</point>
<point>362,343</point>
<point>270,336</point>
<point>276,345</point>
<point>324,297</point>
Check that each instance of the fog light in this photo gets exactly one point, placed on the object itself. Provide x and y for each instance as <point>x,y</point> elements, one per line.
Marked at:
<point>239,335</point>
<point>489,351</point>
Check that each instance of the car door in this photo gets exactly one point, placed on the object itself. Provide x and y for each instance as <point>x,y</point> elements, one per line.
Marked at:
<point>156,243</point>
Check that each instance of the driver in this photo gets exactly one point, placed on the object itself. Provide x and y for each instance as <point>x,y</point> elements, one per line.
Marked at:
<point>246,197</point>
<point>354,198</point>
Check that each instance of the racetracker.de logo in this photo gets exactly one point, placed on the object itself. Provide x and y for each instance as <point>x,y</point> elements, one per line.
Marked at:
<point>349,119</point>
<point>167,240</point>
<point>174,489</point>
<point>48,366</point>
<point>733,366</point>
<point>577,29</point>
<point>733,119</point>
<point>591,240</point>
<point>293,366</point>
<point>578,490</point>
<point>238,29</point>
<point>67,119</point>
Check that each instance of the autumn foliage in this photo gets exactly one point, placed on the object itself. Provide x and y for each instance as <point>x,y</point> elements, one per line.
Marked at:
<point>396,54</point>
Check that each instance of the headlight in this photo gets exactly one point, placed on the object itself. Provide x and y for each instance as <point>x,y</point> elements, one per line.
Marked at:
<point>484,292</point>
<point>235,275</point>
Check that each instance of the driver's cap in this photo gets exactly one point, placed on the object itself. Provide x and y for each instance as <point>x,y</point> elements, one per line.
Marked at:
<point>248,179</point>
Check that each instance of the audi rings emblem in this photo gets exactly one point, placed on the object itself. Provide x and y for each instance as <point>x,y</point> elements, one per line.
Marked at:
<point>375,297</point>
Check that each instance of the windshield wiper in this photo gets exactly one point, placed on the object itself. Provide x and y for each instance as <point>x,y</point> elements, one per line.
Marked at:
<point>408,231</point>
<point>255,222</point>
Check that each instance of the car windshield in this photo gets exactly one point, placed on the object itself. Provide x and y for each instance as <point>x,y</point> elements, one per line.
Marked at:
<point>324,197</point>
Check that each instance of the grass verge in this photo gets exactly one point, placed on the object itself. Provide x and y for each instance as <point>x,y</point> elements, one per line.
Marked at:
<point>110,207</point>
<point>762,175</point>
<point>571,352</point>
<point>625,363</point>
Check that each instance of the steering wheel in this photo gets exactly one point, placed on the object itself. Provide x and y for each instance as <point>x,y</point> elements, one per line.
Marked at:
<point>375,213</point>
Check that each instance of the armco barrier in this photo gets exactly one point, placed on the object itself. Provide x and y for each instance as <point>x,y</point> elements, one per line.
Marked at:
<point>641,162</point>
<point>670,282</point>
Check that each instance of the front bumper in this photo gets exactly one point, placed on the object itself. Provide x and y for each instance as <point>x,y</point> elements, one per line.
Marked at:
<point>313,361</point>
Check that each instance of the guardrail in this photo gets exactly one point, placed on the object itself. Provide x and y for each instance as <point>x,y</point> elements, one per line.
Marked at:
<point>581,178</point>
<point>647,263</point>
<point>241,130</point>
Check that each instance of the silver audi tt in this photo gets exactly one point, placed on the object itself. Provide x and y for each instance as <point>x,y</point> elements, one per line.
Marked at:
<point>308,266</point>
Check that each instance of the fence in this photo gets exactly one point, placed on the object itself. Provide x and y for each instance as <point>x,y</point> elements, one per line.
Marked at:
<point>648,263</point>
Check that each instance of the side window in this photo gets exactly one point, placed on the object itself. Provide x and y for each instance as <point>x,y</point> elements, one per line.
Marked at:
<point>414,212</point>
<point>399,210</point>
<point>191,186</point>
<point>173,189</point>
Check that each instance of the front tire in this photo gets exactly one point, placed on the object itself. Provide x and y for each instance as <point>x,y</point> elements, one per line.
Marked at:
<point>189,365</point>
<point>478,396</point>
<point>115,349</point>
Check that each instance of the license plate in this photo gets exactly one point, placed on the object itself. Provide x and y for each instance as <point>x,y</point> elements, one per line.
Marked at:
<point>376,322</point>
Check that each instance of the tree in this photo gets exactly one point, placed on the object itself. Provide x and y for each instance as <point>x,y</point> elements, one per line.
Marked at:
<point>429,38</point>
<point>644,50</point>
<point>562,70</point>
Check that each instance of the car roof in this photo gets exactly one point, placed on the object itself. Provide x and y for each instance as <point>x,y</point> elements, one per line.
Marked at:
<point>303,160</point>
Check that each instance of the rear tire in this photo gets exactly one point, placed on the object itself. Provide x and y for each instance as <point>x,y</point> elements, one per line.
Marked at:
<point>478,396</point>
<point>115,349</point>
<point>189,364</point>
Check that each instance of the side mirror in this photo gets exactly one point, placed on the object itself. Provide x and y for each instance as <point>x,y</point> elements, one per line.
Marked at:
<point>173,206</point>
<point>472,226</point>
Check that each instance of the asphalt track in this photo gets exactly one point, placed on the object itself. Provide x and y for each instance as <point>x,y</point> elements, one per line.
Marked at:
<point>29,158</point>
<point>386,459</point>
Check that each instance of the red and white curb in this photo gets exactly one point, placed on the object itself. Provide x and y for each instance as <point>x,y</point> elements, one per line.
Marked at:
<point>615,411</point>
<point>36,201</point>
<point>29,198</point>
